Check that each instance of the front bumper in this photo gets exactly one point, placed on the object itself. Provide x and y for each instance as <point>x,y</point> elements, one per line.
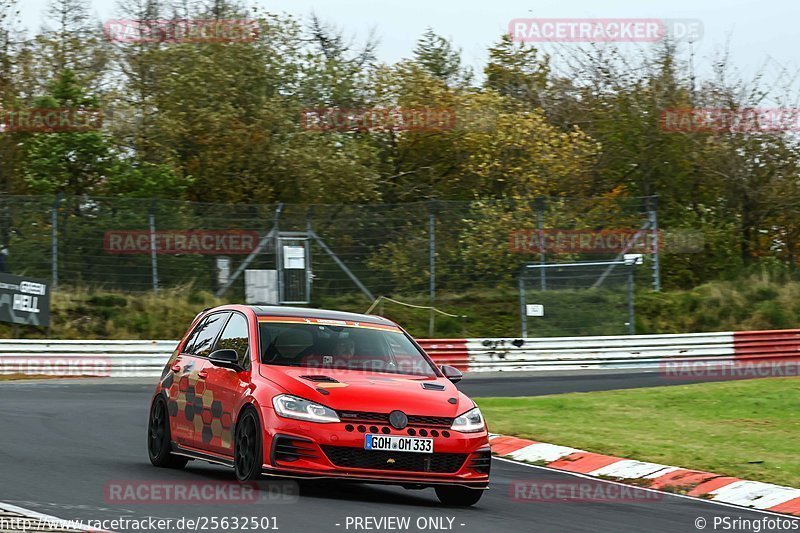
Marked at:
<point>300,449</point>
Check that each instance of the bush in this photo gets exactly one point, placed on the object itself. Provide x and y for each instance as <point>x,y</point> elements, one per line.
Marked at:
<point>763,300</point>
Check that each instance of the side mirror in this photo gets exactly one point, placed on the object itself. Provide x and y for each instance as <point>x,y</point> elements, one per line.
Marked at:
<point>452,373</point>
<point>225,359</point>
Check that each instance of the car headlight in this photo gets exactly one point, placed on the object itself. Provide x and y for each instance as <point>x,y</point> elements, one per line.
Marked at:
<point>469,422</point>
<point>294,407</point>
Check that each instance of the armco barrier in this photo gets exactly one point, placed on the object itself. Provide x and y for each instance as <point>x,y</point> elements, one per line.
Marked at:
<point>646,352</point>
<point>452,352</point>
<point>611,352</point>
<point>141,358</point>
<point>84,358</point>
<point>776,345</point>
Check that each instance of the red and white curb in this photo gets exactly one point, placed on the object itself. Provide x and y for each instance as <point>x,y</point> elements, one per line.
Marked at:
<point>672,479</point>
<point>15,519</point>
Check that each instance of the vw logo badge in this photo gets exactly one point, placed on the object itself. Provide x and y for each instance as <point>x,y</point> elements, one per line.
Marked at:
<point>398,419</point>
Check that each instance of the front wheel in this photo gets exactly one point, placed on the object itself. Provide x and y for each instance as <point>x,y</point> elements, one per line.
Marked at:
<point>458,496</point>
<point>159,440</point>
<point>248,451</point>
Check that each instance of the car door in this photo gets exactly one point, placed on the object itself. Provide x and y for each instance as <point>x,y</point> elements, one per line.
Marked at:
<point>225,387</point>
<point>185,404</point>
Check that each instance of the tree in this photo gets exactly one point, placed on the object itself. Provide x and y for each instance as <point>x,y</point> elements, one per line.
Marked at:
<point>333,69</point>
<point>74,163</point>
<point>9,14</point>
<point>70,39</point>
<point>8,89</point>
<point>132,109</point>
<point>517,71</point>
<point>437,56</point>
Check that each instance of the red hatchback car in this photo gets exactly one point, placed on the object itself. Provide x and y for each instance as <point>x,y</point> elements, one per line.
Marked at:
<point>317,394</point>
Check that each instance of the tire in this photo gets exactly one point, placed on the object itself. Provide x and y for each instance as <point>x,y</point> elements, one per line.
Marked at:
<point>248,451</point>
<point>159,440</point>
<point>458,496</point>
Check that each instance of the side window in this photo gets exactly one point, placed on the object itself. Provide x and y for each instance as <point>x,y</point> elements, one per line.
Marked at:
<point>205,334</point>
<point>236,336</point>
<point>187,348</point>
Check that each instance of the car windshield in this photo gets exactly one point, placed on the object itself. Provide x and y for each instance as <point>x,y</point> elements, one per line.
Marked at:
<point>333,344</point>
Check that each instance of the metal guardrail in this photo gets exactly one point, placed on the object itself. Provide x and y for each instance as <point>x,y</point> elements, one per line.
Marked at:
<point>453,352</point>
<point>646,352</point>
<point>84,358</point>
<point>758,344</point>
<point>612,352</point>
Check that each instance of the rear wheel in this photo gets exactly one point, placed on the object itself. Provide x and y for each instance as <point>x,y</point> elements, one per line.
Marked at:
<point>159,446</point>
<point>248,451</point>
<point>458,496</point>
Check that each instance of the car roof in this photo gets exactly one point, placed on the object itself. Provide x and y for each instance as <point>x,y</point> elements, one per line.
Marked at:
<point>304,312</point>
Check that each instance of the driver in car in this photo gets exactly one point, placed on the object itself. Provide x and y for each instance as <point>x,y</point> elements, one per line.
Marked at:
<point>345,347</point>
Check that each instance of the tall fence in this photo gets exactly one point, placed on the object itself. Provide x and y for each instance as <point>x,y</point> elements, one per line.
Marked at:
<point>420,251</point>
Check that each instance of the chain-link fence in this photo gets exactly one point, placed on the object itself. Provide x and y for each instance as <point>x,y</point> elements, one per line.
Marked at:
<point>585,298</point>
<point>419,250</point>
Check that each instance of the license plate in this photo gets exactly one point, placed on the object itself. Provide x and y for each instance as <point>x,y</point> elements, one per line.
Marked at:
<point>398,444</point>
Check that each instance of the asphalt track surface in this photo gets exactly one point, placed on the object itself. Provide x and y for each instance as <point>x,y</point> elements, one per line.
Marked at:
<point>64,443</point>
<point>540,383</point>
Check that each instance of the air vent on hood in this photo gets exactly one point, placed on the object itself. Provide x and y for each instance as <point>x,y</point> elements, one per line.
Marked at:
<point>320,379</point>
<point>432,386</point>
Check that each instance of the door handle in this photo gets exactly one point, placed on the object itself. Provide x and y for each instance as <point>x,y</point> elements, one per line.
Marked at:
<point>203,374</point>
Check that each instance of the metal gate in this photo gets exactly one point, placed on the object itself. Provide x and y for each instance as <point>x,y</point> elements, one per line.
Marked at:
<point>294,269</point>
<point>578,299</point>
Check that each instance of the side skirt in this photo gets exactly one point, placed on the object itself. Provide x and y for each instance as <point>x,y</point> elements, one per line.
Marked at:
<point>177,449</point>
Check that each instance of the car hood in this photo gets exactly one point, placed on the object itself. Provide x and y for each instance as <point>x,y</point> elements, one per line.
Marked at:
<point>374,392</point>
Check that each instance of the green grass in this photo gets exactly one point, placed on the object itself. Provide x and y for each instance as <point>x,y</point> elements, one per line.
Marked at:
<point>489,313</point>
<point>755,302</point>
<point>749,429</point>
<point>79,313</point>
<point>17,377</point>
<point>758,301</point>
<point>495,313</point>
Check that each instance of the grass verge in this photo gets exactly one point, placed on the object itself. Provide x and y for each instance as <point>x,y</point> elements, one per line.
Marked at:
<point>17,377</point>
<point>758,301</point>
<point>747,429</point>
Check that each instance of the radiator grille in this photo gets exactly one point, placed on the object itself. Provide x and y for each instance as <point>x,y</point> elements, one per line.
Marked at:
<point>442,463</point>
<point>383,418</point>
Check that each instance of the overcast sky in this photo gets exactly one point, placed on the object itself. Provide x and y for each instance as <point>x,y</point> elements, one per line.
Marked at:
<point>755,30</point>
